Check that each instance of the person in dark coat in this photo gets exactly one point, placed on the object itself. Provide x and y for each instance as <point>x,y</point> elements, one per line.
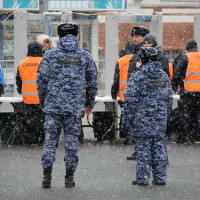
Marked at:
<point>150,41</point>
<point>186,80</point>
<point>147,106</point>
<point>119,84</point>
<point>138,33</point>
<point>174,123</point>
<point>67,82</point>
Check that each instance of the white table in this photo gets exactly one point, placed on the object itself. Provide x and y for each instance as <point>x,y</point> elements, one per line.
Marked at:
<point>11,99</point>
<point>97,99</point>
<point>104,99</point>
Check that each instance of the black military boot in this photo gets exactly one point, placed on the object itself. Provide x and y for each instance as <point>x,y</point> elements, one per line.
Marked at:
<point>156,183</point>
<point>135,182</point>
<point>132,156</point>
<point>69,178</point>
<point>46,183</point>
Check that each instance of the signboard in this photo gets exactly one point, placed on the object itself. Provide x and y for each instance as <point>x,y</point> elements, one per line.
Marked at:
<point>140,19</point>
<point>20,4</point>
<point>87,4</point>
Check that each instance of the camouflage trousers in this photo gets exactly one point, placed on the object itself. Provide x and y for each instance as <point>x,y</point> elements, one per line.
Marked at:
<point>150,154</point>
<point>72,128</point>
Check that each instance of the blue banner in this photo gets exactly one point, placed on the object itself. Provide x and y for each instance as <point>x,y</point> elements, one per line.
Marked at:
<point>21,4</point>
<point>105,4</point>
<point>87,4</point>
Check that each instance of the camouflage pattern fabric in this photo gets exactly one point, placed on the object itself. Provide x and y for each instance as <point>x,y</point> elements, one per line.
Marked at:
<point>147,106</point>
<point>150,153</point>
<point>64,74</point>
<point>72,129</point>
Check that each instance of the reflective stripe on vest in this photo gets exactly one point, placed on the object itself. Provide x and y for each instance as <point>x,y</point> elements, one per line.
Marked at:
<point>28,72</point>
<point>28,82</point>
<point>123,69</point>
<point>192,79</point>
<point>29,93</point>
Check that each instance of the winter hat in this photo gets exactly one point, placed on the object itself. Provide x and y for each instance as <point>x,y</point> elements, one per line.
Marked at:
<point>35,49</point>
<point>41,38</point>
<point>191,44</point>
<point>147,54</point>
<point>66,28</point>
<point>139,30</point>
<point>129,48</point>
<point>150,39</point>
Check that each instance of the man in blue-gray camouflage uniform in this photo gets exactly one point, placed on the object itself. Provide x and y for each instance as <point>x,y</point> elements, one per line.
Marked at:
<point>67,82</point>
<point>147,106</point>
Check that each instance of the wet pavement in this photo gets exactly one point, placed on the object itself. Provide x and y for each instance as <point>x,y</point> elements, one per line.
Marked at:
<point>103,173</point>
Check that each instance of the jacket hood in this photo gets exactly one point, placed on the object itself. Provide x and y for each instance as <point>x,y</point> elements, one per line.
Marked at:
<point>159,48</point>
<point>41,38</point>
<point>68,43</point>
<point>152,69</point>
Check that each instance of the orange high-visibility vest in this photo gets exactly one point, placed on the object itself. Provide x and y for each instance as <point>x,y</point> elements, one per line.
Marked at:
<point>192,79</point>
<point>28,72</point>
<point>171,71</point>
<point>123,69</point>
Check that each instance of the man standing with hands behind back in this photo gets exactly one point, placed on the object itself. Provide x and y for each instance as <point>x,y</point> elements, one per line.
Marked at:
<point>64,74</point>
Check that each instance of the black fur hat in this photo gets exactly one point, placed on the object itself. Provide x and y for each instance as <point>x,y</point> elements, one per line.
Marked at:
<point>67,28</point>
<point>139,30</point>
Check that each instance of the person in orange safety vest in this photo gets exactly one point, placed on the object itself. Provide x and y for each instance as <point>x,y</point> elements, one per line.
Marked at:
<point>121,72</point>
<point>26,86</point>
<point>187,75</point>
<point>120,82</point>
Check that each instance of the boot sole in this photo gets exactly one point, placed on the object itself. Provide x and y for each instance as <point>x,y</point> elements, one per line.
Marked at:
<point>131,158</point>
<point>141,184</point>
<point>69,184</point>
<point>46,185</point>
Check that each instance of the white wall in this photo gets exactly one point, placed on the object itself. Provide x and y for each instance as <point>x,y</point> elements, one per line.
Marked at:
<point>134,6</point>
<point>161,3</point>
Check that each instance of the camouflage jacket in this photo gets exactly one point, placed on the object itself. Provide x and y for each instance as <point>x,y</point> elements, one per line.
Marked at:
<point>148,101</point>
<point>67,79</point>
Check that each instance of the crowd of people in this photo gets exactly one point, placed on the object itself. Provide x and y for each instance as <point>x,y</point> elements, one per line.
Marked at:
<point>59,85</point>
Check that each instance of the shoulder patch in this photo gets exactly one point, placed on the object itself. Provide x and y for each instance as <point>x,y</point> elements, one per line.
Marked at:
<point>69,60</point>
<point>156,84</point>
